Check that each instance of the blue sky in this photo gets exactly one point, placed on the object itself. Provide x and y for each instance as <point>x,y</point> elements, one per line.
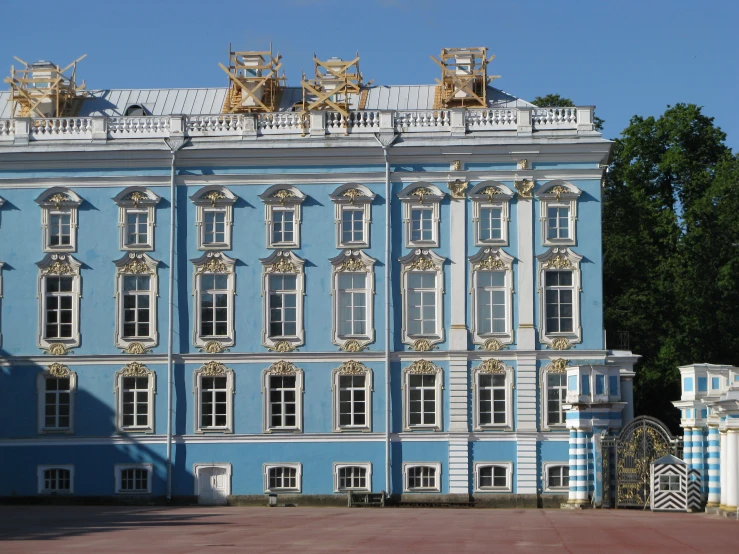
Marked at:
<point>626,57</point>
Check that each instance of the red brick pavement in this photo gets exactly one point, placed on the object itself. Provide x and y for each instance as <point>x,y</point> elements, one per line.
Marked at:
<point>105,529</point>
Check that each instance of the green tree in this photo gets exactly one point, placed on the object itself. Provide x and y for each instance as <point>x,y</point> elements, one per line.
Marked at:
<point>557,101</point>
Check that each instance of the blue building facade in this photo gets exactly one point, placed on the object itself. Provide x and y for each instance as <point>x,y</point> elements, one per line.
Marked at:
<point>404,299</point>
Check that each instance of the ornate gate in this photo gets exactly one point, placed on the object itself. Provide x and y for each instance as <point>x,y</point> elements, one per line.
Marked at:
<point>642,441</point>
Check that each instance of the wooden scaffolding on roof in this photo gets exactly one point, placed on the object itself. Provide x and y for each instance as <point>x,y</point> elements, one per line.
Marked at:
<point>254,81</point>
<point>43,89</point>
<point>464,78</point>
<point>335,80</point>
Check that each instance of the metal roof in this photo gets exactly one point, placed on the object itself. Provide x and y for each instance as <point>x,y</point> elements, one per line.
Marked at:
<point>195,101</point>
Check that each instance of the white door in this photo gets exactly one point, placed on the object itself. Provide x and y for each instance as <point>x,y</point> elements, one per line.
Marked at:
<point>212,485</point>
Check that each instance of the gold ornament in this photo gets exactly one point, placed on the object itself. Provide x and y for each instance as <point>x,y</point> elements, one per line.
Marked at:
<point>492,345</point>
<point>421,263</point>
<point>136,267</point>
<point>456,165</point>
<point>213,368</point>
<point>283,194</point>
<point>352,264</point>
<point>282,346</point>
<point>214,265</point>
<point>561,343</point>
<point>352,194</point>
<point>557,190</point>
<point>282,266</point>
<point>524,187</point>
<point>57,349</point>
<point>136,197</point>
<point>135,369</point>
<point>58,370</point>
<point>421,345</point>
<point>523,164</point>
<point>559,365</point>
<point>560,261</point>
<point>491,263</point>
<point>59,267</point>
<point>352,346</point>
<point>352,368</point>
<point>136,348</point>
<point>214,196</point>
<point>213,347</point>
<point>492,366</point>
<point>491,192</point>
<point>282,368</point>
<point>422,367</point>
<point>457,188</point>
<point>58,199</point>
<point>421,192</point>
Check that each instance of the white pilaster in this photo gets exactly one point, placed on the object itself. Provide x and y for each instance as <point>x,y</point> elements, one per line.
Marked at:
<point>526,291</point>
<point>458,288</point>
<point>526,465</point>
<point>459,465</point>
<point>526,376</point>
<point>458,394</point>
<point>732,469</point>
<point>723,445</point>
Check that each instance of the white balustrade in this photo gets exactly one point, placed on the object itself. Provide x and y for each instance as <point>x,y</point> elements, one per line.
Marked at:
<point>7,129</point>
<point>554,118</point>
<point>355,122</point>
<point>482,120</point>
<point>281,123</point>
<point>422,121</point>
<point>218,125</point>
<point>138,127</point>
<point>65,128</point>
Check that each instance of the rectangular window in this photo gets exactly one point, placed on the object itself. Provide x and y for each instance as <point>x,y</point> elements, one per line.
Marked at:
<point>422,400</point>
<point>283,301</point>
<point>669,482</point>
<point>214,402</point>
<point>60,228</point>
<point>492,398</point>
<point>558,477</point>
<point>55,480</point>
<point>422,224</point>
<point>283,402</point>
<point>137,228</point>
<point>136,306</point>
<point>600,384</point>
<point>421,304</point>
<point>585,384</point>
<point>715,383</point>
<point>491,224</point>
<point>135,402</point>
<point>283,226</point>
<point>352,304</point>
<point>352,225</point>
<point>57,402</point>
<point>558,222</point>
<point>613,385</point>
<point>492,477</point>
<point>134,480</point>
<point>282,478</point>
<point>491,302</point>
<point>214,227</point>
<point>352,401</point>
<point>214,298</point>
<point>421,478</point>
<point>702,384</point>
<point>351,478</point>
<point>59,299</point>
<point>559,302</point>
<point>556,392</point>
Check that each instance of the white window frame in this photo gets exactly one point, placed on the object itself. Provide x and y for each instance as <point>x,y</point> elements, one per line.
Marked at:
<point>546,468</point>
<point>352,368</point>
<point>136,200</point>
<point>508,466</point>
<point>555,367</point>
<point>353,197</point>
<point>367,466</point>
<point>136,264</point>
<point>492,259</point>
<point>560,259</point>
<point>423,195</point>
<point>118,473</point>
<point>282,369</point>
<point>214,198</point>
<point>297,466</point>
<point>491,194</point>
<point>561,194</point>
<point>353,261</point>
<point>213,263</point>
<point>41,480</point>
<point>434,465</point>
<point>55,371</point>
<point>214,369</point>
<point>136,370</point>
<point>61,200</point>
<point>59,265</point>
<point>671,479</point>
<point>423,261</point>
<point>492,366</point>
<point>283,262</point>
<point>283,197</point>
<point>423,367</point>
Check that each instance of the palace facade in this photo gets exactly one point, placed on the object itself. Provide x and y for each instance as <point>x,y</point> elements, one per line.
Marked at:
<point>226,292</point>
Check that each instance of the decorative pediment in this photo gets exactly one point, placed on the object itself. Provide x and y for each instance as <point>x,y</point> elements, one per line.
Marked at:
<point>213,195</point>
<point>283,261</point>
<point>491,259</point>
<point>557,366</point>
<point>352,260</point>
<point>214,262</point>
<point>58,198</point>
<point>491,191</point>
<point>135,369</point>
<point>559,258</point>
<point>136,197</point>
<point>421,259</point>
<point>352,193</point>
<point>352,367</point>
<point>59,264</point>
<point>282,368</point>
<point>213,369</point>
<point>422,367</point>
<point>423,193</point>
<point>282,194</point>
<point>558,190</point>
<point>492,366</point>
<point>136,263</point>
<point>58,370</point>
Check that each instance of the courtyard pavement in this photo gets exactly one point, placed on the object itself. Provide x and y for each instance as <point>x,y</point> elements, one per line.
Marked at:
<point>106,529</point>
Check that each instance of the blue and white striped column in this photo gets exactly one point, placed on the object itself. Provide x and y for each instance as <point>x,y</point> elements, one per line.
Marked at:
<point>714,467</point>
<point>699,457</point>
<point>688,446</point>
<point>578,467</point>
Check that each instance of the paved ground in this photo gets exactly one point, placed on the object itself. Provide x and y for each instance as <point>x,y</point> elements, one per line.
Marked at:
<point>185,530</point>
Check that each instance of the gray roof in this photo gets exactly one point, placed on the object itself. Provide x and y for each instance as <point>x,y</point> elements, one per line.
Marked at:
<point>195,101</point>
<point>670,460</point>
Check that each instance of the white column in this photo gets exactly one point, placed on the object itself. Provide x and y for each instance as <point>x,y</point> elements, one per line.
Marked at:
<point>723,444</point>
<point>732,469</point>
<point>457,251</point>
<point>526,287</point>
